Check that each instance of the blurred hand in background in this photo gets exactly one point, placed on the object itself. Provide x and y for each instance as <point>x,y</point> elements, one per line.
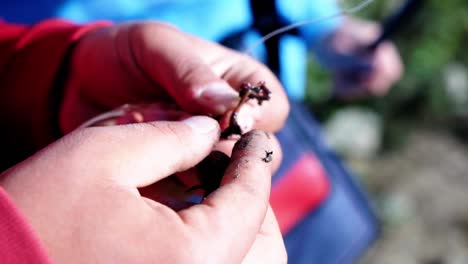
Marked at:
<point>358,71</point>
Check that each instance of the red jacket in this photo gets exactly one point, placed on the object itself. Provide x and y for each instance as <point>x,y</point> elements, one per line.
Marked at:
<point>32,60</point>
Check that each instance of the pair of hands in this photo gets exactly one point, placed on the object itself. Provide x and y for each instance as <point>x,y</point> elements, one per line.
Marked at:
<point>81,194</point>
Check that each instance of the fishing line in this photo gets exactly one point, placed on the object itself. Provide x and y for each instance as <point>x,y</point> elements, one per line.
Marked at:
<point>341,13</point>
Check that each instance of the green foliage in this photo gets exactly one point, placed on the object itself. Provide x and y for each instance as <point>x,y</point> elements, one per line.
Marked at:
<point>437,37</point>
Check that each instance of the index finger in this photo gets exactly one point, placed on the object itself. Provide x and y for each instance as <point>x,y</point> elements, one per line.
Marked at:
<point>202,76</point>
<point>233,214</point>
<point>242,68</point>
<point>272,114</point>
<point>237,68</point>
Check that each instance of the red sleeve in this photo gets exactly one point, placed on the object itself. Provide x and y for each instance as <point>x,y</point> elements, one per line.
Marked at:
<point>30,60</point>
<point>18,242</point>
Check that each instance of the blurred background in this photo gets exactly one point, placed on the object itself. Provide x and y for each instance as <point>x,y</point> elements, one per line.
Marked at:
<point>409,148</point>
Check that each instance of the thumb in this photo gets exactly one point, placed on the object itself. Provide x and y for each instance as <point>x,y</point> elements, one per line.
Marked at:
<point>138,155</point>
<point>176,64</point>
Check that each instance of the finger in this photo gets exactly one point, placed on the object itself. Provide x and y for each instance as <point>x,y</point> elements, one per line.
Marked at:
<point>226,147</point>
<point>191,70</point>
<point>169,58</point>
<point>388,68</point>
<point>269,245</point>
<point>237,68</point>
<point>137,155</point>
<point>235,212</point>
<point>271,115</point>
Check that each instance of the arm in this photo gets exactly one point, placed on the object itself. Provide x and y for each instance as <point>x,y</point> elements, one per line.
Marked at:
<point>30,58</point>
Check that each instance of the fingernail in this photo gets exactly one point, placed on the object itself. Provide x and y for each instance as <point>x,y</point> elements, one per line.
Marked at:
<point>201,124</point>
<point>220,96</point>
<point>246,118</point>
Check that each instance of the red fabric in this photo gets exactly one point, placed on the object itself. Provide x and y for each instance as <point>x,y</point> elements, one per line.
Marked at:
<point>29,60</point>
<point>299,191</point>
<point>18,243</point>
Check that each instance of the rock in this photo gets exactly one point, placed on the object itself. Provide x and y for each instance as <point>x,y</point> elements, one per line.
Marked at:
<point>423,189</point>
<point>354,132</point>
<point>456,85</point>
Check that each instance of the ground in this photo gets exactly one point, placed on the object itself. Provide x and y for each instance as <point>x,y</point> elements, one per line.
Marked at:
<point>421,194</point>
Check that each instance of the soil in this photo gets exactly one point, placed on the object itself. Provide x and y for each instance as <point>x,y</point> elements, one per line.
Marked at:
<point>421,195</point>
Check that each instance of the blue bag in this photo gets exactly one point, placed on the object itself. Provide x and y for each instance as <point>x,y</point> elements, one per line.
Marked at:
<point>342,224</point>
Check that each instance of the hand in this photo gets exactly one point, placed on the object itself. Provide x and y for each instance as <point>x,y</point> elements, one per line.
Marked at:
<point>150,62</point>
<point>357,71</point>
<point>81,196</point>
